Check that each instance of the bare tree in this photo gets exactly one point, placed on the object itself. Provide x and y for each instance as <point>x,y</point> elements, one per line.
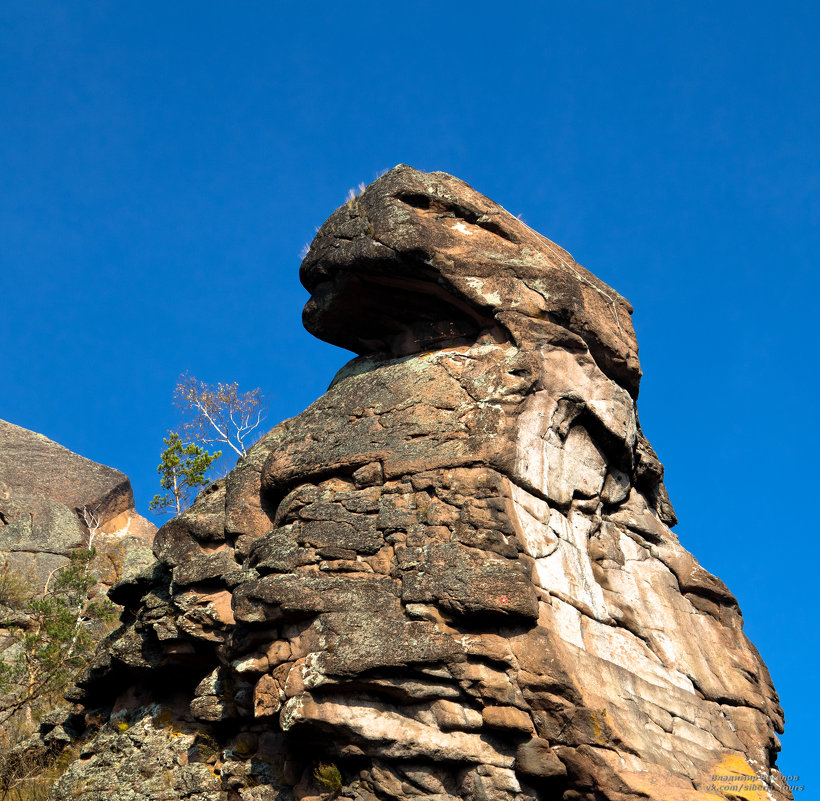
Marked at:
<point>219,412</point>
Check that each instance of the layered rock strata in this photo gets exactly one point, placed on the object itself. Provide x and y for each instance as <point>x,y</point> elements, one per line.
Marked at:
<point>453,576</point>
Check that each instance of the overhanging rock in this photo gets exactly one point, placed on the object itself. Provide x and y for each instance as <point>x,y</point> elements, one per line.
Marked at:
<point>453,575</point>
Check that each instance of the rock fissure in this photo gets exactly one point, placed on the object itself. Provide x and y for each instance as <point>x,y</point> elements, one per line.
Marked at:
<point>453,575</point>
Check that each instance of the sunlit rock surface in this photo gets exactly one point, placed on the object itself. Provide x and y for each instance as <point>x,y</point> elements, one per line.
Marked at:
<point>452,576</point>
<point>53,500</point>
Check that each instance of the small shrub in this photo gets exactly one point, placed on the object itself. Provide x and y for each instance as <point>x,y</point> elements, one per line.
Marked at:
<point>328,776</point>
<point>15,588</point>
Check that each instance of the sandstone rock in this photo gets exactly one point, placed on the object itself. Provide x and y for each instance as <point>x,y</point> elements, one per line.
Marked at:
<point>52,503</point>
<point>452,716</point>
<point>535,758</point>
<point>37,524</point>
<point>506,717</point>
<point>33,465</point>
<point>453,575</point>
<point>49,497</point>
<point>140,756</point>
<point>465,580</point>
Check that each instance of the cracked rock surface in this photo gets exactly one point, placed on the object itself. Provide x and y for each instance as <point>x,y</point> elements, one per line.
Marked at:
<point>453,576</point>
<point>49,497</point>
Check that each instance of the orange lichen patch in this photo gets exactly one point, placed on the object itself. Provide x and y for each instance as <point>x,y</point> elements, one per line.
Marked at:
<point>667,787</point>
<point>734,777</point>
<point>600,724</point>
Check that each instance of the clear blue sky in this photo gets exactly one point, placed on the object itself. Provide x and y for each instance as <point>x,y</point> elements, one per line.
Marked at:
<point>163,164</point>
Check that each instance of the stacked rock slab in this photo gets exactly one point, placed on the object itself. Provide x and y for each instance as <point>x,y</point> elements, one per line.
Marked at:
<point>452,576</point>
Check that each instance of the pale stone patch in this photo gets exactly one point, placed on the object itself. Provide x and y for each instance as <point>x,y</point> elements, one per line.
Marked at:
<point>567,375</point>
<point>567,623</point>
<point>615,644</point>
<point>568,570</point>
<point>630,549</point>
<point>616,486</point>
<point>685,730</point>
<point>451,716</point>
<point>560,469</point>
<point>532,515</point>
<point>391,734</point>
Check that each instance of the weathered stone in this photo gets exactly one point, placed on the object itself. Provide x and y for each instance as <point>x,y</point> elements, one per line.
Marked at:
<point>33,464</point>
<point>535,758</point>
<point>34,569</point>
<point>452,716</point>
<point>390,734</point>
<point>337,534</point>
<point>213,699</point>
<point>466,581</point>
<point>453,574</point>
<point>139,757</point>
<point>268,696</point>
<point>40,525</point>
<point>278,552</point>
<point>506,717</point>
<point>294,594</point>
<point>204,568</point>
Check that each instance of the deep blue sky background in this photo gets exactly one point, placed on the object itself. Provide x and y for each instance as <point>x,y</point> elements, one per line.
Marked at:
<point>163,164</point>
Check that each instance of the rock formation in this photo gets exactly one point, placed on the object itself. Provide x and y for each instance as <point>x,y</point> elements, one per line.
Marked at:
<point>452,576</point>
<point>54,504</point>
<point>50,497</point>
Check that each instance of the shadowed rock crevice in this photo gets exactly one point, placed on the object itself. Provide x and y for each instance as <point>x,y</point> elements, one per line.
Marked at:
<point>453,575</point>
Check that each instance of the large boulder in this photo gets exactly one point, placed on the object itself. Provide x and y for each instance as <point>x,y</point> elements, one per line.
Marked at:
<point>37,466</point>
<point>452,576</point>
<point>53,501</point>
<point>54,505</point>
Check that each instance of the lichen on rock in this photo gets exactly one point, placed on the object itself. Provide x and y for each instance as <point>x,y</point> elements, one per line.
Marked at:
<point>453,575</point>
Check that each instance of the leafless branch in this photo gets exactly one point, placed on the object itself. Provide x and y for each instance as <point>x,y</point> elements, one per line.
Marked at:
<point>219,412</point>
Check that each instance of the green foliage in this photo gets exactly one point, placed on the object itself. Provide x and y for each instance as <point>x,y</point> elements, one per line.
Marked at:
<point>51,632</point>
<point>328,776</point>
<point>53,635</point>
<point>182,471</point>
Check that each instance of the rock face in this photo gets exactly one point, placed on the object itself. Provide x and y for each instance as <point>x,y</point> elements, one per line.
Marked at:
<point>49,497</point>
<point>452,576</point>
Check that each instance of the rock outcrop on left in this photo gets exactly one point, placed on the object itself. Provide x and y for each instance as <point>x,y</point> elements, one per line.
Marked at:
<point>453,576</point>
<point>50,498</point>
<point>54,507</point>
